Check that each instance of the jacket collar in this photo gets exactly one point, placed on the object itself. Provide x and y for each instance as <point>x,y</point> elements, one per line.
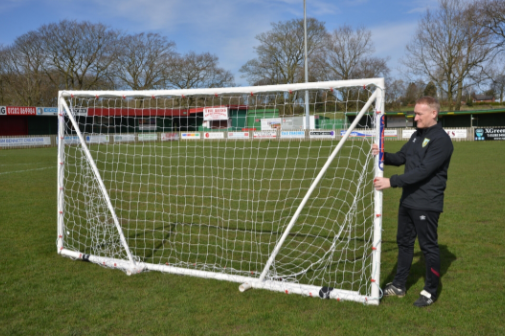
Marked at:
<point>423,131</point>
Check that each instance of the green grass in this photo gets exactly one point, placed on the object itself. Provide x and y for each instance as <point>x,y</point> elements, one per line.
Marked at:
<point>42,293</point>
<point>222,206</point>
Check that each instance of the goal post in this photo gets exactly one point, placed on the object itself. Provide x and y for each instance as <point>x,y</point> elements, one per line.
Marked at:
<point>227,183</point>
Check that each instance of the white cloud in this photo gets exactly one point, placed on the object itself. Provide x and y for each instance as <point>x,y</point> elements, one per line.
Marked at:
<point>323,8</point>
<point>226,28</point>
<point>388,38</point>
<point>7,5</point>
<point>391,40</point>
<point>420,6</point>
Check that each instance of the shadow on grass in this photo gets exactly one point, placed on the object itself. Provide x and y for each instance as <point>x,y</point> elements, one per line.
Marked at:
<point>418,269</point>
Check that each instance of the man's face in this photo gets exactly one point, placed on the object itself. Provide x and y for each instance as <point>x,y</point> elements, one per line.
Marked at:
<point>425,116</point>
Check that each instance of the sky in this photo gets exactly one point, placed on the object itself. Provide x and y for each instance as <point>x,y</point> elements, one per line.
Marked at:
<point>225,28</point>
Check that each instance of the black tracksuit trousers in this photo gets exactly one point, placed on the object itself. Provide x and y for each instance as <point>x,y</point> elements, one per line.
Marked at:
<point>423,224</point>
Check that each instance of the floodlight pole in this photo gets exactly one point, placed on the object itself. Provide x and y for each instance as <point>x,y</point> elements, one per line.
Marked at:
<point>307,116</point>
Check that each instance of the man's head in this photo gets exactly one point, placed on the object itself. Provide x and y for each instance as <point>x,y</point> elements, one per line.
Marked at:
<point>426,112</point>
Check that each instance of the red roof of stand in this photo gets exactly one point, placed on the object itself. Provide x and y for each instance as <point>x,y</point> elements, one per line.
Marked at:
<point>148,112</point>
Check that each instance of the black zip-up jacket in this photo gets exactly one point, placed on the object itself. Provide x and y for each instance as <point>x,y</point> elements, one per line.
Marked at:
<point>426,157</point>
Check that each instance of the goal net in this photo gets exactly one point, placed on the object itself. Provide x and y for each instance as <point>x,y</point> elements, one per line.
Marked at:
<point>253,185</point>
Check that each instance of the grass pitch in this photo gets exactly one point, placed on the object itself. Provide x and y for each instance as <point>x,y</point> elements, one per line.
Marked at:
<point>222,206</point>
<point>42,293</point>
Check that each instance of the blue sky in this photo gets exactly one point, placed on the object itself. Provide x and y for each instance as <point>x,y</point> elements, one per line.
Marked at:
<point>226,28</point>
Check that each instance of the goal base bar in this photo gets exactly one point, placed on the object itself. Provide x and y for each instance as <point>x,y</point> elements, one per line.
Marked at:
<point>120,264</point>
<point>247,282</point>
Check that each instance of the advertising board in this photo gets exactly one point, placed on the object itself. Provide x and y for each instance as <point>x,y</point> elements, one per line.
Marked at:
<point>190,136</point>
<point>489,133</point>
<point>24,141</point>
<point>238,135</point>
<point>215,113</point>
<point>213,135</point>
<point>172,136</point>
<point>265,134</point>
<point>292,134</point>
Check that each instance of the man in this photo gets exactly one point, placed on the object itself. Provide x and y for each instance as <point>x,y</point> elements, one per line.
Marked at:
<point>426,157</point>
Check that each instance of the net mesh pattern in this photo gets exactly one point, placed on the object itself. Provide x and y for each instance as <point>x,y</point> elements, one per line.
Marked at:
<point>217,194</point>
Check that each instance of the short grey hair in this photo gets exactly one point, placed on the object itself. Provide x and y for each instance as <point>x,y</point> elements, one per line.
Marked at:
<point>430,101</point>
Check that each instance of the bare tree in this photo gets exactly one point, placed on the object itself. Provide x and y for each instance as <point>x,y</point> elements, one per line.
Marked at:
<point>395,90</point>
<point>280,55</point>
<point>491,14</point>
<point>447,48</point>
<point>498,82</point>
<point>4,76</point>
<point>197,71</point>
<point>348,55</point>
<point>79,55</point>
<point>143,61</point>
<point>24,80</point>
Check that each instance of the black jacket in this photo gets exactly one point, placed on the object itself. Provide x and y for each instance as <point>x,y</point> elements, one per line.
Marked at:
<point>426,157</point>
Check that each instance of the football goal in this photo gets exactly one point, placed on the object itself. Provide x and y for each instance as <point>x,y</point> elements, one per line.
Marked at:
<point>253,185</point>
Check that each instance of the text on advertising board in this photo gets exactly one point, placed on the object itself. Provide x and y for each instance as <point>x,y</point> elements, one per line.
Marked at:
<point>489,133</point>
<point>17,110</point>
<point>215,113</point>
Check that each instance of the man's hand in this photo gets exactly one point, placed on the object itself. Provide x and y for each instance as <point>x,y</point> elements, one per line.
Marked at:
<point>381,183</point>
<point>375,149</point>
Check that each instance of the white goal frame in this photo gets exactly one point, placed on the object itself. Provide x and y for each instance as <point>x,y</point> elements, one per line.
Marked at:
<point>130,265</point>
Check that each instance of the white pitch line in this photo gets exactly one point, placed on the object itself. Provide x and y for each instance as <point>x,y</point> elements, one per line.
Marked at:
<point>16,164</point>
<point>27,170</point>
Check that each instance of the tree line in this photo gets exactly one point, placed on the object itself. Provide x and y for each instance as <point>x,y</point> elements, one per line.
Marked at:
<point>72,55</point>
<point>456,50</point>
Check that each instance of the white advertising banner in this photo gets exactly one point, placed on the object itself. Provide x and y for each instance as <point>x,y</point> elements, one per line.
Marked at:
<point>312,122</point>
<point>47,111</point>
<point>23,142</point>
<point>214,135</point>
<point>69,140</point>
<point>406,134</point>
<point>91,139</point>
<point>172,136</point>
<point>124,138</point>
<point>215,113</point>
<point>453,133</point>
<point>456,133</point>
<point>148,137</point>
<point>292,134</point>
<point>371,133</point>
<point>79,111</point>
<point>238,135</point>
<point>269,124</point>
<point>390,133</point>
<point>190,136</point>
<point>95,139</point>
<point>359,133</point>
<point>265,134</point>
<point>322,134</point>
<point>293,123</point>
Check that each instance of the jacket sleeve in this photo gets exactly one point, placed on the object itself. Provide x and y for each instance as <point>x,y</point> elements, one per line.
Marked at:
<point>437,153</point>
<point>398,158</point>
